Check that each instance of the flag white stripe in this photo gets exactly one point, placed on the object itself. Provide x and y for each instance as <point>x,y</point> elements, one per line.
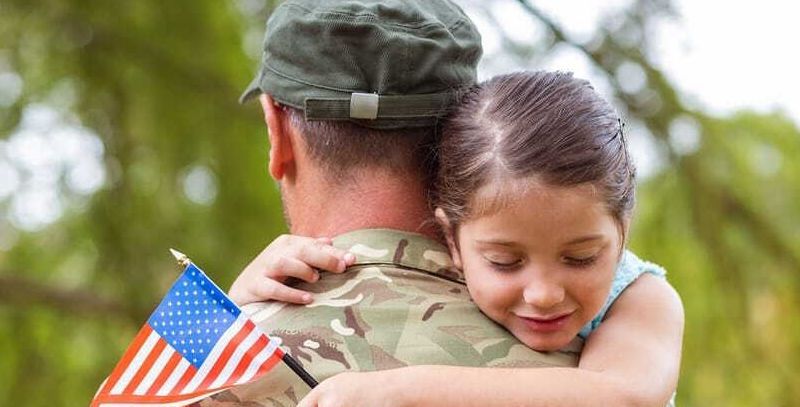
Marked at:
<point>209,363</point>
<point>257,361</point>
<point>176,375</point>
<point>237,355</point>
<point>155,370</point>
<point>136,363</point>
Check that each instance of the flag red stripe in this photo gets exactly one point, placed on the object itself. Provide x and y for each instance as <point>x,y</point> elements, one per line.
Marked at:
<point>146,366</point>
<point>164,375</point>
<point>248,357</point>
<point>187,376</point>
<point>130,353</point>
<point>269,363</point>
<point>226,354</point>
<point>148,399</point>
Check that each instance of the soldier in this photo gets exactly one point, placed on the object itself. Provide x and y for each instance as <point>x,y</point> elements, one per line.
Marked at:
<point>352,93</point>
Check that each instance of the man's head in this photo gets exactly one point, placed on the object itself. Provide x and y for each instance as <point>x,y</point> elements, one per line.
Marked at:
<point>364,83</point>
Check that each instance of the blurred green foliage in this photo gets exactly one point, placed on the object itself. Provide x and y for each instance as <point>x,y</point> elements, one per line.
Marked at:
<point>184,166</point>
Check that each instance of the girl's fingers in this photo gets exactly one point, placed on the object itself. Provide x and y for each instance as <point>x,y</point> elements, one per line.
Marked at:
<point>325,257</point>
<point>310,400</point>
<point>284,267</point>
<point>273,290</point>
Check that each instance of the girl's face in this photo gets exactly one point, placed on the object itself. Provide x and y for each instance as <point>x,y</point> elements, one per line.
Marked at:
<point>541,266</point>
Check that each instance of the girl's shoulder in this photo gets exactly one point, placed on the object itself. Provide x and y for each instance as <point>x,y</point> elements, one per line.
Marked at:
<point>630,268</point>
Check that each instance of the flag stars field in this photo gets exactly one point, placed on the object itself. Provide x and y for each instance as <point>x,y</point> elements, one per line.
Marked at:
<point>184,304</point>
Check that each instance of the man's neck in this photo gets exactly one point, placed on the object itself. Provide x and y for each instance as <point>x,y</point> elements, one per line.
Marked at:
<point>317,208</point>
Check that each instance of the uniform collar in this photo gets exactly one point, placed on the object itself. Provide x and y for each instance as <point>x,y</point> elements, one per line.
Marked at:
<point>399,248</point>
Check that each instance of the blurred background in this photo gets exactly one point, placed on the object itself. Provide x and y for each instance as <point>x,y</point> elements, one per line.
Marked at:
<point>121,136</point>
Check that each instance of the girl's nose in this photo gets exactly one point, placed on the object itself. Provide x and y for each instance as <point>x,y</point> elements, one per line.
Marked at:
<point>543,294</point>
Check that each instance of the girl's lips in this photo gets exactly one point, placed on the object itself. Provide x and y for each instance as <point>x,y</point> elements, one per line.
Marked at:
<point>550,324</point>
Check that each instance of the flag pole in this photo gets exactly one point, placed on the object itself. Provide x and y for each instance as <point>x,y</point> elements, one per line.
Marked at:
<point>184,261</point>
<point>298,370</point>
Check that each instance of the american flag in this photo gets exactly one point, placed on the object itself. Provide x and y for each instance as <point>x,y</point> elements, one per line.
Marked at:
<point>196,343</point>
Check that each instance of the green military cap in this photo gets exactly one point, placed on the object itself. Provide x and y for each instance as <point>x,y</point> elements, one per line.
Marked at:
<point>383,64</point>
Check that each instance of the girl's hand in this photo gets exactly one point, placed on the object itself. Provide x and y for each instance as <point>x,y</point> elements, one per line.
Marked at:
<point>370,389</point>
<point>287,256</point>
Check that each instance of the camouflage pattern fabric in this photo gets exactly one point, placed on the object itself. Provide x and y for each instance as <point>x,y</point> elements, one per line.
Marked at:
<point>402,303</point>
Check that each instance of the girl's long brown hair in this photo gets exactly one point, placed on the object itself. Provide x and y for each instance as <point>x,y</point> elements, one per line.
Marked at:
<point>547,125</point>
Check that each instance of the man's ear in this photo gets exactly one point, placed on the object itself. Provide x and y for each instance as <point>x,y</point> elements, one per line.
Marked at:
<point>449,235</point>
<point>281,154</point>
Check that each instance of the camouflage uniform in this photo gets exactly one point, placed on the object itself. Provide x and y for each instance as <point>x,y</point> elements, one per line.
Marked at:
<point>402,303</point>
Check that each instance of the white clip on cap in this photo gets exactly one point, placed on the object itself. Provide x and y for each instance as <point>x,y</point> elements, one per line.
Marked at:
<point>364,106</point>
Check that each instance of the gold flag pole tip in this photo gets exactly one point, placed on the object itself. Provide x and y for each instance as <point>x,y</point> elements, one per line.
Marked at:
<point>182,259</point>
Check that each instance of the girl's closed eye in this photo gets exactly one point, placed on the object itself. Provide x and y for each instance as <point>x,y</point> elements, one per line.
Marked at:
<point>581,259</point>
<point>503,261</point>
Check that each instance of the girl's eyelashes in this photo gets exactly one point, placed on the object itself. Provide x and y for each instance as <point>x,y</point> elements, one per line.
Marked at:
<point>579,261</point>
<point>503,263</point>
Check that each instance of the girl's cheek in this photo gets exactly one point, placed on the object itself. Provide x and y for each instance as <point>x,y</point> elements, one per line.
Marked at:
<point>491,289</point>
<point>478,285</point>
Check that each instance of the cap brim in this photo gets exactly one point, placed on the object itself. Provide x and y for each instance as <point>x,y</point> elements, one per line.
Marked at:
<point>253,90</point>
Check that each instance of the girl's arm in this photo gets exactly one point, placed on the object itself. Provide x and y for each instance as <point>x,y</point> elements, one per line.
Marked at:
<point>632,359</point>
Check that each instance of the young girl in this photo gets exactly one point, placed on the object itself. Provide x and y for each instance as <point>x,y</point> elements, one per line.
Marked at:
<point>534,196</point>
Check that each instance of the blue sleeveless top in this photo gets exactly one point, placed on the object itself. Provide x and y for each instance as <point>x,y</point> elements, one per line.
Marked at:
<point>628,270</point>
